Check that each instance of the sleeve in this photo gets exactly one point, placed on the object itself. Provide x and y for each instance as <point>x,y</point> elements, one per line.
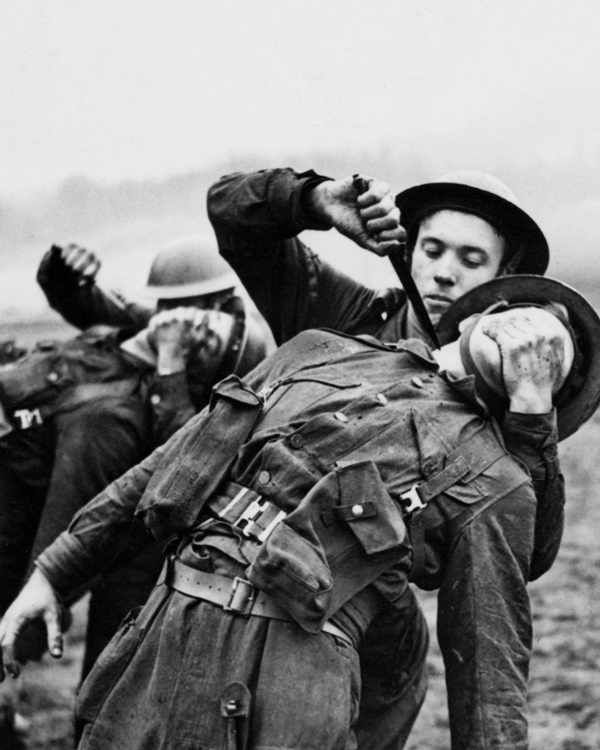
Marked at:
<point>257,218</point>
<point>106,530</point>
<point>533,439</point>
<point>171,404</point>
<point>86,305</point>
<point>484,623</point>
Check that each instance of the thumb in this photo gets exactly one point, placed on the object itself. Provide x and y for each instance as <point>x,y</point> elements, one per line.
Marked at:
<point>53,620</point>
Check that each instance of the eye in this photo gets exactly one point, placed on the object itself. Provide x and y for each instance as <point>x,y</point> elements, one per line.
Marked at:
<point>473,261</point>
<point>431,250</point>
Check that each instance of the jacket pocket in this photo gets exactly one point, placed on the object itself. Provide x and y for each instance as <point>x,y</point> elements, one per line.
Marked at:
<point>368,510</point>
<point>292,568</point>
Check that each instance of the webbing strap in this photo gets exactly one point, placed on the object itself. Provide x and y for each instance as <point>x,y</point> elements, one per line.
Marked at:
<point>471,458</point>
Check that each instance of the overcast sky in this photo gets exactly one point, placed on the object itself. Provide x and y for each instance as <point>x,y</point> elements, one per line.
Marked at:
<point>117,89</point>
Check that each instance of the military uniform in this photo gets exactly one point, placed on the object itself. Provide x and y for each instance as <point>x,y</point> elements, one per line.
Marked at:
<point>299,492</point>
<point>257,219</point>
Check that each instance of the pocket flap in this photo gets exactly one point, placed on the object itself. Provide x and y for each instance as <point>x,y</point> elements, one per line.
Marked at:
<point>368,509</point>
<point>234,389</point>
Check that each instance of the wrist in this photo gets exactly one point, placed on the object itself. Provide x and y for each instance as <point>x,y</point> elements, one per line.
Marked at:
<point>531,402</point>
<point>170,364</point>
<point>316,204</point>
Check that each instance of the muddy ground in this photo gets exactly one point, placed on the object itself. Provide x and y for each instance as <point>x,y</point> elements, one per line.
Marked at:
<point>565,672</point>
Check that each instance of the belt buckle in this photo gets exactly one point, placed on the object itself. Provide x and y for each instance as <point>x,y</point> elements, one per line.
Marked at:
<point>241,599</point>
<point>244,522</point>
<point>412,497</point>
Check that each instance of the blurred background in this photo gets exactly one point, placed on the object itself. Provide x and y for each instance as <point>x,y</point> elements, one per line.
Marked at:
<point>116,116</point>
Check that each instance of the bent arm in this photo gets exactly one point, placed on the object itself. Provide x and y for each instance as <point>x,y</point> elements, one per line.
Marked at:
<point>533,439</point>
<point>257,218</point>
<point>484,624</point>
<point>106,530</point>
<point>85,304</point>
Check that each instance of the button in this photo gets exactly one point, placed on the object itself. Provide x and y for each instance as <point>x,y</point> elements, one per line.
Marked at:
<point>297,441</point>
<point>417,382</point>
<point>357,511</point>
<point>264,477</point>
<point>428,467</point>
<point>53,377</point>
<point>155,399</point>
<point>341,416</point>
<point>381,398</point>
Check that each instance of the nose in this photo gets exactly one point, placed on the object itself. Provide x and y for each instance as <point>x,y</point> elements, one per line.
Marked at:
<point>445,272</point>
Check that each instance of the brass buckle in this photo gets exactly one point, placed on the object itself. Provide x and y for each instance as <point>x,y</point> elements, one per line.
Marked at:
<point>241,599</point>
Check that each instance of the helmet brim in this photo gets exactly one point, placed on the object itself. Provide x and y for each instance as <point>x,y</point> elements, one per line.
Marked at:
<point>541,291</point>
<point>501,213</point>
<point>194,289</point>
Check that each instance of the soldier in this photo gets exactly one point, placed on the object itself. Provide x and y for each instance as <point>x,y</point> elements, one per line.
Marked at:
<point>79,414</point>
<point>458,232</point>
<point>286,505</point>
<point>187,272</point>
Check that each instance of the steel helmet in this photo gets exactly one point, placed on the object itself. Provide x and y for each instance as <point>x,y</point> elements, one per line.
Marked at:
<point>489,198</point>
<point>189,267</point>
<point>579,397</point>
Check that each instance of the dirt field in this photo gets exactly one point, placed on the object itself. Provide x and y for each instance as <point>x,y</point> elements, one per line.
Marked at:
<point>565,671</point>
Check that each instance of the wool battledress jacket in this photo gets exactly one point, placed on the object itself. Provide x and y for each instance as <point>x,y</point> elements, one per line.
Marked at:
<point>258,217</point>
<point>341,428</point>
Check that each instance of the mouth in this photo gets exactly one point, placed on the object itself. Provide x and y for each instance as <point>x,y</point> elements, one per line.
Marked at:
<point>438,299</point>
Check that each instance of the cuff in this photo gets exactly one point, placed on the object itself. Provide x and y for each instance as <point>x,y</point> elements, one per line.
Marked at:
<point>533,438</point>
<point>66,564</point>
<point>288,196</point>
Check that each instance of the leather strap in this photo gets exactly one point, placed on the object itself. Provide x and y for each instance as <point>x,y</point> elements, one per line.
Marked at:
<point>235,595</point>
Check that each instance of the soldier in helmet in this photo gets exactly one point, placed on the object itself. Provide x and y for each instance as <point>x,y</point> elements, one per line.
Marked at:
<point>456,233</point>
<point>187,273</point>
<point>66,438</point>
<point>291,537</point>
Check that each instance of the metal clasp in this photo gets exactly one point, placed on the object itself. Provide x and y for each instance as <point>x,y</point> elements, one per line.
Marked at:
<point>241,598</point>
<point>412,496</point>
<point>251,513</point>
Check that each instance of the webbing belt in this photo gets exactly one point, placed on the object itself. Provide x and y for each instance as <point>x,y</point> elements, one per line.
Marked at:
<point>236,595</point>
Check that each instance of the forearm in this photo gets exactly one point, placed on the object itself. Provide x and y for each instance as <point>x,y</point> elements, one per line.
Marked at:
<point>85,306</point>
<point>172,406</point>
<point>533,439</point>
<point>484,626</point>
<point>256,218</point>
<point>101,533</point>
<point>251,209</point>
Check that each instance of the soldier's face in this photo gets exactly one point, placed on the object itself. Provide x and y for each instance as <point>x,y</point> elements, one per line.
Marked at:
<point>212,334</point>
<point>454,253</point>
